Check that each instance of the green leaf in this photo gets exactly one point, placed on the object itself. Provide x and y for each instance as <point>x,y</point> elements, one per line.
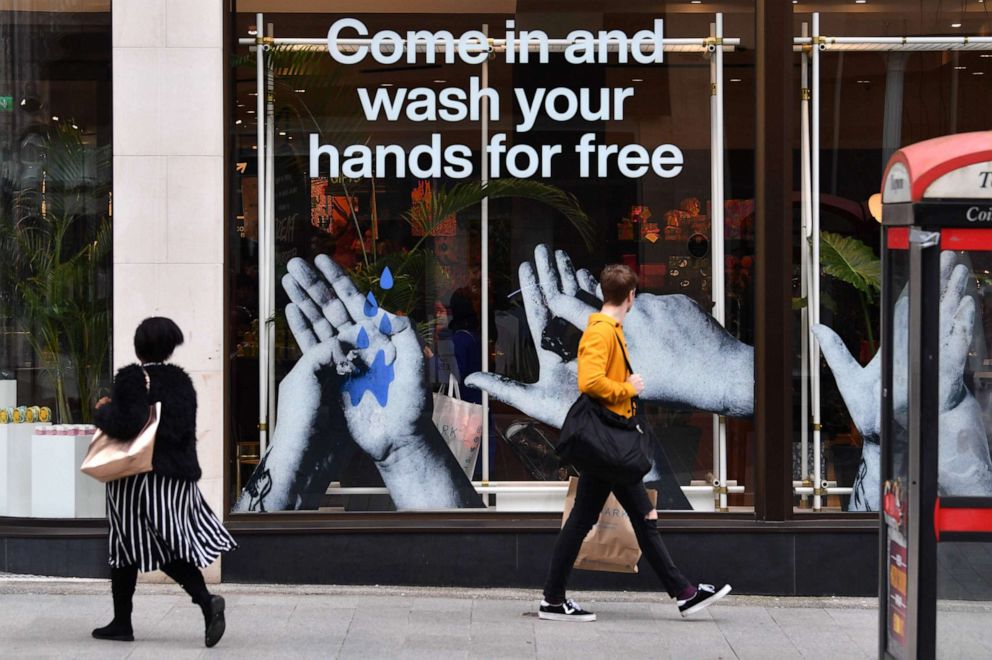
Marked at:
<point>849,260</point>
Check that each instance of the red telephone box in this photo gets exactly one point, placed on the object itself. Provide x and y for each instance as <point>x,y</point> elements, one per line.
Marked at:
<point>936,382</point>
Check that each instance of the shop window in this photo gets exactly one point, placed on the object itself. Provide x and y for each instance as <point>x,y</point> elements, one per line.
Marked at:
<point>875,97</point>
<point>409,249</point>
<point>55,252</point>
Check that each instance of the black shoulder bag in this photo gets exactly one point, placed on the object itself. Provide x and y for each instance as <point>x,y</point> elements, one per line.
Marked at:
<point>597,441</point>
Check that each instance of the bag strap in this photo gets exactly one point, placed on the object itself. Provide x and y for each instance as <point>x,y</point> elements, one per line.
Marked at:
<point>635,401</point>
<point>454,391</point>
<point>623,352</point>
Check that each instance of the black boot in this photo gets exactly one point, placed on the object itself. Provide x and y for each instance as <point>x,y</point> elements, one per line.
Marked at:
<point>189,577</point>
<point>213,618</point>
<point>122,583</point>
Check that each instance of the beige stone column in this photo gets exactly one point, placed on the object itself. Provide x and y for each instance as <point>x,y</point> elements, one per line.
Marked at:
<point>169,196</point>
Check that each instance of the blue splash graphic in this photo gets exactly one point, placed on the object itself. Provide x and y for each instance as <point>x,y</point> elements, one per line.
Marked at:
<point>386,281</point>
<point>385,326</point>
<point>362,341</point>
<point>375,380</point>
<point>371,306</point>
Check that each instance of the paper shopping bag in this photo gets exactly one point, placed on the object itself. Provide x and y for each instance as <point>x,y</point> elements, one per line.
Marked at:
<point>611,544</point>
<point>460,423</point>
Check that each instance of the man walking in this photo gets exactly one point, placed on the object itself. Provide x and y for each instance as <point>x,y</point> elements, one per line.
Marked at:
<point>603,375</point>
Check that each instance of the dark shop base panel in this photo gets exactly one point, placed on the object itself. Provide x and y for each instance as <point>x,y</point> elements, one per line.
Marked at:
<point>70,556</point>
<point>783,564</point>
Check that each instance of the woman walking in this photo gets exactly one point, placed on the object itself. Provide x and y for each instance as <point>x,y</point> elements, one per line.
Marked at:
<point>159,519</point>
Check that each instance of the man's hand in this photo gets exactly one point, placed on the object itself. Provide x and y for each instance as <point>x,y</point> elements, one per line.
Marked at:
<point>637,382</point>
<point>556,389</point>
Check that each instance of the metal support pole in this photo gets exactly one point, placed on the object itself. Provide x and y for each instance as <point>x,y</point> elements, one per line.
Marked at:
<point>269,270</point>
<point>263,344</point>
<point>717,233</point>
<point>485,265</point>
<point>804,252</point>
<point>814,300</point>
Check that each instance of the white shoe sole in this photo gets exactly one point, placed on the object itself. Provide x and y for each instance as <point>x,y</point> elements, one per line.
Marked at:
<point>706,603</point>
<point>551,616</point>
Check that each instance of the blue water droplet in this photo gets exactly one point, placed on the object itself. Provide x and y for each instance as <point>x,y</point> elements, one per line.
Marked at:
<point>386,281</point>
<point>385,327</point>
<point>362,341</point>
<point>371,306</point>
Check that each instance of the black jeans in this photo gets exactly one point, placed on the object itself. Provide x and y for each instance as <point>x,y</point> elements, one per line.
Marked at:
<point>589,500</point>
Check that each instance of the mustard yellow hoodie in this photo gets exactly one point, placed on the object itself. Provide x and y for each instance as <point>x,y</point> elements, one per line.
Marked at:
<point>602,372</point>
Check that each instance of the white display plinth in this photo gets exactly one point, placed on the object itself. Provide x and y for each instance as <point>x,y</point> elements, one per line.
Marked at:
<point>8,393</point>
<point>15,469</point>
<point>58,488</point>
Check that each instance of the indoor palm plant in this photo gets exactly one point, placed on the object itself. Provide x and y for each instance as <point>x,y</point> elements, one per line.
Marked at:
<point>56,244</point>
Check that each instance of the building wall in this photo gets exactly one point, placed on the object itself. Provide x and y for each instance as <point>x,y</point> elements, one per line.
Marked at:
<point>169,196</point>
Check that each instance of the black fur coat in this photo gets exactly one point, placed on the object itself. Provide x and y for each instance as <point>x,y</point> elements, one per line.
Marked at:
<point>127,413</point>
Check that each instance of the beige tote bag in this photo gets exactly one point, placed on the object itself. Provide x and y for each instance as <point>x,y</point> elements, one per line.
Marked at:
<point>109,458</point>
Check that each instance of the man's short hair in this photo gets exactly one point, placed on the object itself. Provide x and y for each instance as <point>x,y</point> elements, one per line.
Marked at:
<point>617,281</point>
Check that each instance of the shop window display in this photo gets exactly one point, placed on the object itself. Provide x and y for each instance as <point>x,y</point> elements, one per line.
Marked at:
<point>55,252</point>
<point>542,260</point>
<point>395,350</point>
<point>872,103</point>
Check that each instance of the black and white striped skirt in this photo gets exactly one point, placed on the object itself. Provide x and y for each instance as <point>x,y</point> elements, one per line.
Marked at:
<point>155,520</point>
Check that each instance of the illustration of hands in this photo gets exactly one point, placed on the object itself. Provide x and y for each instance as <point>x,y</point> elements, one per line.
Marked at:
<point>965,466</point>
<point>556,389</point>
<point>682,344</point>
<point>360,382</point>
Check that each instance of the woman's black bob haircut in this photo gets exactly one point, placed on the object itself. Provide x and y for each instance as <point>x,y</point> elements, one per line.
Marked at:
<point>156,338</point>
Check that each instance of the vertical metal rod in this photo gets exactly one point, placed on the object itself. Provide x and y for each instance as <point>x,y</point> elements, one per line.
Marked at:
<point>914,499</point>
<point>717,229</point>
<point>804,251</point>
<point>814,302</point>
<point>270,236</point>
<point>263,395</point>
<point>485,264</point>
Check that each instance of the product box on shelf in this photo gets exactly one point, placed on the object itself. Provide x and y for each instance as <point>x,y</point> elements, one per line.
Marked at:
<point>8,393</point>
<point>15,469</point>
<point>58,488</point>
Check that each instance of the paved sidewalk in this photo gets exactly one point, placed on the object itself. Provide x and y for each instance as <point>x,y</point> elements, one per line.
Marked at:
<point>52,619</point>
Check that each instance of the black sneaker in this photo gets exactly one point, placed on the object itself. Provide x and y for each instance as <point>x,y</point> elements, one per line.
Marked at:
<point>567,611</point>
<point>706,595</point>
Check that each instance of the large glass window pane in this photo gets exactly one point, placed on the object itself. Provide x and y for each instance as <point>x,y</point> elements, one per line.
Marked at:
<point>355,249</point>
<point>872,101</point>
<point>55,250</point>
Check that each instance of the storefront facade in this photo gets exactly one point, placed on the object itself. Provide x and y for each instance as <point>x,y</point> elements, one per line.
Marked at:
<point>383,357</point>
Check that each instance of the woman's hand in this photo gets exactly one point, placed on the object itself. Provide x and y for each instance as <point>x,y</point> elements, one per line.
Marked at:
<point>104,400</point>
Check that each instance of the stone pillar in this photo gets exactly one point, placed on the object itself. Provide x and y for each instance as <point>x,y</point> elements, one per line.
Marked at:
<point>168,75</point>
